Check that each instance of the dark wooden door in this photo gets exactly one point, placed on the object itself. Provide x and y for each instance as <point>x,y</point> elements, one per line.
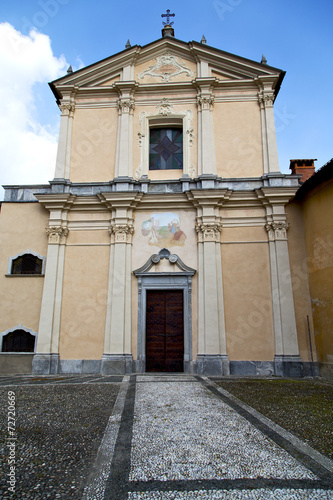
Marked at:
<point>164,331</point>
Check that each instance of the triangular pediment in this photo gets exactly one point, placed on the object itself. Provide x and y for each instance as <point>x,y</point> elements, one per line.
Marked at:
<point>163,61</point>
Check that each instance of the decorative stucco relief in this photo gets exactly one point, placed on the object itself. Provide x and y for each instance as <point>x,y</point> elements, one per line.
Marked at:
<point>166,68</point>
<point>165,107</point>
<point>163,229</point>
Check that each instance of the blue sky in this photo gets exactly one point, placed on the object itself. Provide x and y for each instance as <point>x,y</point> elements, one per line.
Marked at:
<point>294,35</point>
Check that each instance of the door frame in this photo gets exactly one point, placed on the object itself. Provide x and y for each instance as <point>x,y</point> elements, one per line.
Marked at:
<point>179,280</point>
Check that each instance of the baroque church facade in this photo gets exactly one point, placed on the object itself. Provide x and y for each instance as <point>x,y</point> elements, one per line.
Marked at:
<point>163,241</point>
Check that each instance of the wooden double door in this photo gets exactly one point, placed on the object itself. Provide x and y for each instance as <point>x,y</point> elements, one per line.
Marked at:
<point>165,331</point>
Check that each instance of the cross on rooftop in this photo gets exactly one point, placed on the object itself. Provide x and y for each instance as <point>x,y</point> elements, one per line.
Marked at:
<point>168,15</point>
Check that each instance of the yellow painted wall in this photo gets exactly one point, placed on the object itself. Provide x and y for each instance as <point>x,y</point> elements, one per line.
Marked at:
<point>94,141</point>
<point>21,228</point>
<point>238,139</point>
<point>318,225</point>
<point>300,281</point>
<point>84,300</point>
<point>247,301</point>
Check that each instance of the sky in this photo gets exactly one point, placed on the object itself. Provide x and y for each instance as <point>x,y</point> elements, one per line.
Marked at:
<point>39,39</point>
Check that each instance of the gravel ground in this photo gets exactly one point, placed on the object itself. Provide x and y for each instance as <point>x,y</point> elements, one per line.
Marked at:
<point>302,407</point>
<point>59,429</point>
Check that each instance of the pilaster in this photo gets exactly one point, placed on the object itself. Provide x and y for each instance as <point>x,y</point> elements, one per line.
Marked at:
<point>284,321</point>
<point>47,356</point>
<point>126,105</point>
<point>206,140</point>
<point>117,340</point>
<point>270,152</point>
<point>211,321</point>
<point>62,170</point>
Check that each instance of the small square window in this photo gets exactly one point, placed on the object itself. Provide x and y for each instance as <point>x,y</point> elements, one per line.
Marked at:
<point>166,148</point>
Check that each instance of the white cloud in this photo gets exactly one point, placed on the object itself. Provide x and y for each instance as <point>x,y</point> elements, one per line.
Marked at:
<point>27,148</point>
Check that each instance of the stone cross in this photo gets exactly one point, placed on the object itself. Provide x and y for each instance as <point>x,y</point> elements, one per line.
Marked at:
<point>168,15</point>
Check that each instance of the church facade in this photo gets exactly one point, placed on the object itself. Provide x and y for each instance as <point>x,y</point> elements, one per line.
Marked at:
<point>163,242</point>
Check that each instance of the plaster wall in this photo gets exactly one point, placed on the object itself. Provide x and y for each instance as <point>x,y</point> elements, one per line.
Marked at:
<point>238,140</point>
<point>300,281</point>
<point>94,142</point>
<point>247,296</point>
<point>84,297</point>
<point>318,226</point>
<point>21,228</point>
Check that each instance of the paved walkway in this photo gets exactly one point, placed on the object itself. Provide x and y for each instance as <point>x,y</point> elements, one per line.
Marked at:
<point>182,437</point>
<point>166,437</point>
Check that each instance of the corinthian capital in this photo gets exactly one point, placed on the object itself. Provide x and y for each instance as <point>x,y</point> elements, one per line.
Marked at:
<point>55,233</point>
<point>266,100</point>
<point>205,101</point>
<point>208,231</point>
<point>277,230</point>
<point>126,105</point>
<point>67,109</point>
<point>121,233</point>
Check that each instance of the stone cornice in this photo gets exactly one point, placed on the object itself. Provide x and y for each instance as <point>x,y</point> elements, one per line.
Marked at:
<point>279,187</point>
<point>276,195</point>
<point>56,201</point>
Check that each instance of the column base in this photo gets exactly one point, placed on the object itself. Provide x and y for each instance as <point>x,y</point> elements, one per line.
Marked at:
<point>288,366</point>
<point>116,364</point>
<point>252,368</point>
<point>326,370</point>
<point>212,364</point>
<point>45,364</point>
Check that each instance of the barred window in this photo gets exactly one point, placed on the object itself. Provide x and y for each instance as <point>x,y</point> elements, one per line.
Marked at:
<point>18,341</point>
<point>27,264</point>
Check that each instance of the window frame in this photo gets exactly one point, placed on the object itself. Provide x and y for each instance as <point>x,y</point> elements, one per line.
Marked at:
<point>179,120</point>
<point>31,252</point>
<point>11,330</point>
